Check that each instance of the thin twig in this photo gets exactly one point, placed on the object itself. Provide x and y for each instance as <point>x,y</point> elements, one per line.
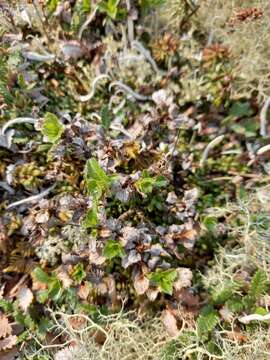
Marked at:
<point>13,291</point>
<point>31,199</point>
<point>130,24</point>
<point>175,143</point>
<point>122,130</point>
<point>41,21</point>
<point>263,118</point>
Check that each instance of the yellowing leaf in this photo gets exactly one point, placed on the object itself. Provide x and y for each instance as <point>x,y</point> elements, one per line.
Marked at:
<point>5,328</point>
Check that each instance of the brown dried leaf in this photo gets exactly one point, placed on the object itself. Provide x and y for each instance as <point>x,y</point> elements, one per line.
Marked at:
<point>152,294</point>
<point>188,299</point>
<point>5,328</point>
<point>83,291</point>
<point>37,285</point>
<point>226,314</point>
<point>64,278</point>
<point>3,238</point>
<point>170,322</point>
<point>184,278</point>
<point>187,237</point>
<point>77,322</point>
<point>8,342</point>
<point>25,298</point>
<point>111,286</point>
<point>141,284</point>
<point>237,336</point>
<point>12,354</point>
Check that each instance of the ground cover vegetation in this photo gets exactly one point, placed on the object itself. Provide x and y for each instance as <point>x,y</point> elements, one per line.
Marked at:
<point>134,179</point>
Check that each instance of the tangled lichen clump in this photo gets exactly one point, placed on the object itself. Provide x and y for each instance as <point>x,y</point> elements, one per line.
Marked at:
<point>244,29</point>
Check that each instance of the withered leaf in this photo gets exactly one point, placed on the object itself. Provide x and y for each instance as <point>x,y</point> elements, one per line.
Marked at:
<point>226,314</point>
<point>8,342</point>
<point>25,297</point>
<point>152,293</point>
<point>5,328</point>
<point>64,278</point>
<point>183,279</point>
<point>77,322</point>
<point>68,353</point>
<point>83,291</point>
<point>170,322</point>
<point>237,336</point>
<point>141,284</point>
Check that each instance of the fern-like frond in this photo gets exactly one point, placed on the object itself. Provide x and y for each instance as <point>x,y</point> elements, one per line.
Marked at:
<point>258,284</point>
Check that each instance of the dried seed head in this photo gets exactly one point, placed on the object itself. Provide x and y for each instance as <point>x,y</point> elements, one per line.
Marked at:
<point>215,53</point>
<point>245,14</point>
<point>165,46</point>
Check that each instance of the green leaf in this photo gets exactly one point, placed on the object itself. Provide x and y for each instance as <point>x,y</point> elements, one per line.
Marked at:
<point>221,294</point>
<point>95,171</point>
<point>106,117</point>
<point>146,183</point>
<point>55,289</point>
<point>210,223</point>
<point>235,303</point>
<point>91,218</point>
<point>113,249</point>
<point>258,284</point>
<point>160,181</point>
<point>52,127</point>
<point>240,109</point>
<point>110,7</point>
<point>86,5</point>
<point>247,127</point>
<point>164,279</point>
<point>52,5</point>
<point>43,327</point>
<point>78,273</point>
<point>6,305</point>
<point>206,321</point>
<point>41,276</point>
<point>97,180</point>
<point>148,4</point>
<point>43,296</point>
<point>24,319</point>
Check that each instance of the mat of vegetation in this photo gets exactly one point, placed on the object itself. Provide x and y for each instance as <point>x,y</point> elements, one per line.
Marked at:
<point>134,179</point>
